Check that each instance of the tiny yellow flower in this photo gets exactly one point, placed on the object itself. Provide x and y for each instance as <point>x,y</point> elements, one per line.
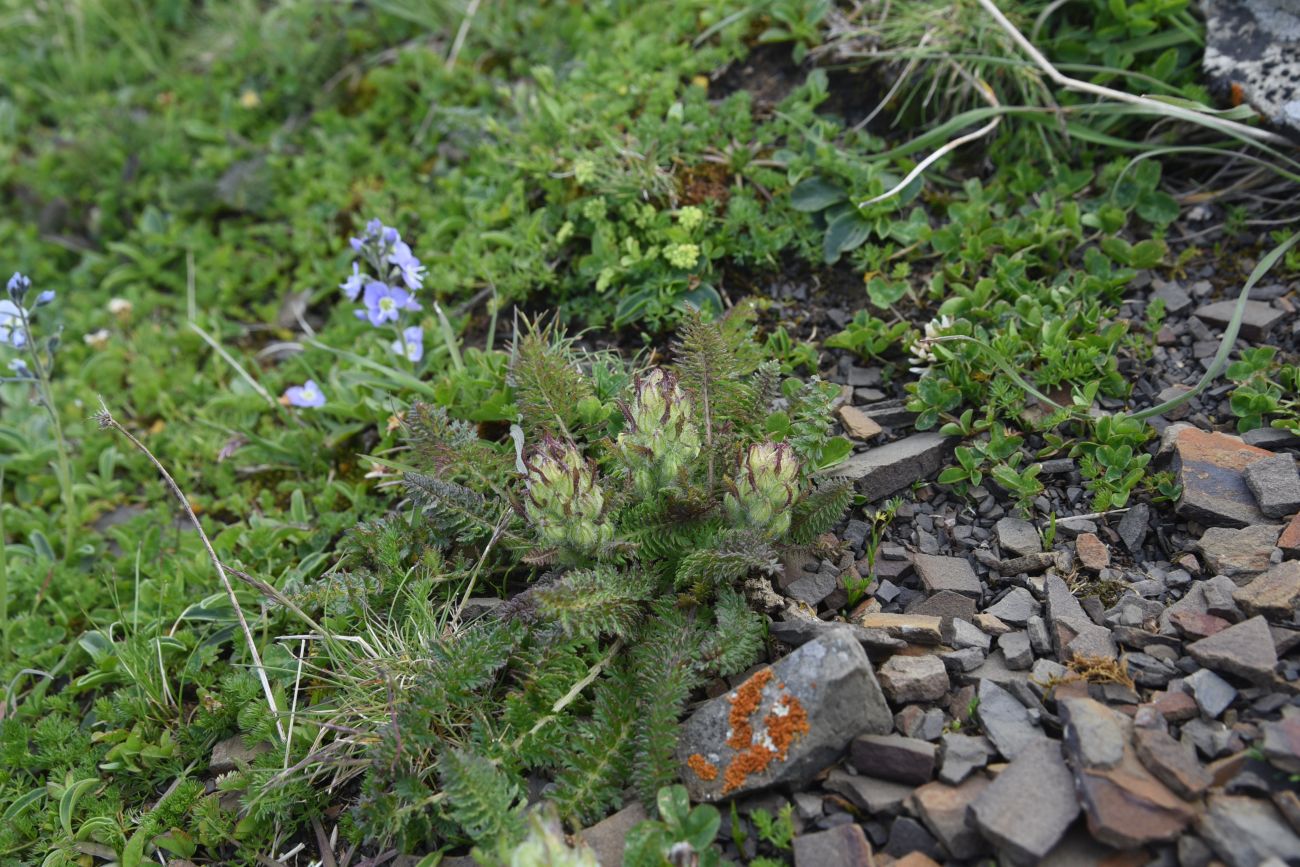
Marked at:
<point>250,99</point>
<point>683,256</point>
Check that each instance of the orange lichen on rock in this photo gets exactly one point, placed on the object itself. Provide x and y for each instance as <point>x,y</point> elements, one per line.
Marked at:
<point>703,768</point>
<point>786,721</point>
<point>746,700</point>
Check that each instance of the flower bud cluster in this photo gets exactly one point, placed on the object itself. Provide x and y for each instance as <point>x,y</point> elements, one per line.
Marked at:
<point>565,504</point>
<point>765,487</point>
<point>661,438</point>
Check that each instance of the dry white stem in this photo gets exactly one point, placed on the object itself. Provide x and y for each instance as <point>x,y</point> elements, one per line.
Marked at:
<point>1153,105</point>
<point>106,420</point>
<point>947,147</point>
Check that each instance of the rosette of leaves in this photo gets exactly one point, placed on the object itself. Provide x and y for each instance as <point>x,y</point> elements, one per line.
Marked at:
<point>628,515</point>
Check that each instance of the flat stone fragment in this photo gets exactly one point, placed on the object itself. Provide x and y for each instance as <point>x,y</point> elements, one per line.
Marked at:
<point>907,679</point>
<point>1018,536</point>
<point>1005,720</point>
<point>1061,603</point>
<point>1213,694</point>
<point>1128,807</point>
<point>1274,594</point>
<point>1281,744</point>
<point>877,797</point>
<point>857,424</point>
<point>1245,650</point>
<point>954,574</point>
<point>960,755</point>
<point>943,810</point>
<point>959,633</point>
<point>1175,297</point>
<point>799,630</point>
<point>1172,762</point>
<point>1238,553</point>
<point>1016,650</point>
<point>1257,321</point>
<point>913,628</point>
<point>808,705</point>
<point>1030,564</point>
<point>1133,527</point>
<point>1289,541</point>
<point>841,846</point>
<point>1209,467</point>
<point>945,604</point>
<point>893,757</point>
<point>1077,637</point>
<point>1095,734</point>
<point>1246,832</point>
<point>1026,810</point>
<point>1016,607</point>
<point>608,837</point>
<point>1092,552</point>
<point>881,471</point>
<point>1275,482</point>
<point>812,589</point>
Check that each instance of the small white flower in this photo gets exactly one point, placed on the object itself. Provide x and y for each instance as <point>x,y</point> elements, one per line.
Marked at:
<point>922,351</point>
<point>97,339</point>
<point>120,307</point>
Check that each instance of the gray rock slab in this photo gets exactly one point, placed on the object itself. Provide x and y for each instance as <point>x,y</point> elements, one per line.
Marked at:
<point>830,679</point>
<point>944,810</point>
<point>959,633</point>
<point>1095,734</point>
<point>1247,831</point>
<point>1016,607</point>
<point>1005,720</point>
<point>1241,553</point>
<point>960,755</point>
<point>1209,467</point>
<point>841,846</point>
<point>1133,527</point>
<point>608,837</point>
<point>1275,482</point>
<point>1016,650</point>
<point>907,679</point>
<point>945,603</point>
<point>1026,810</point>
<point>875,796</point>
<point>1244,650</point>
<point>1213,694</point>
<point>1018,536</point>
<point>881,471</point>
<point>893,757</point>
<point>1258,319</point>
<point>953,574</point>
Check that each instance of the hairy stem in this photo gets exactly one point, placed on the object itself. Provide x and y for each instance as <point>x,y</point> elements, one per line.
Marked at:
<point>60,442</point>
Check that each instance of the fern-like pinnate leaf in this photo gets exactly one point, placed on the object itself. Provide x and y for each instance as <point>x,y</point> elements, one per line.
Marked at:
<point>820,510</point>
<point>588,603</point>
<point>714,376</point>
<point>599,755</point>
<point>549,384</point>
<point>460,512</point>
<point>665,669</point>
<point>481,797</point>
<point>731,558</point>
<point>738,637</point>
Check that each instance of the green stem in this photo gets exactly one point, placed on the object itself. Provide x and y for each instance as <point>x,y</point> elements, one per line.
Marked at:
<point>60,442</point>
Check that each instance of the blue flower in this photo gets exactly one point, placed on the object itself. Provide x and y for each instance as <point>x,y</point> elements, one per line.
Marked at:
<point>385,303</point>
<point>20,368</point>
<point>353,285</point>
<point>12,331</point>
<point>18,286</point>
<point>306,395</point>
<point>408,266</point>
<point>411,343</point>
<point>45,297</point>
